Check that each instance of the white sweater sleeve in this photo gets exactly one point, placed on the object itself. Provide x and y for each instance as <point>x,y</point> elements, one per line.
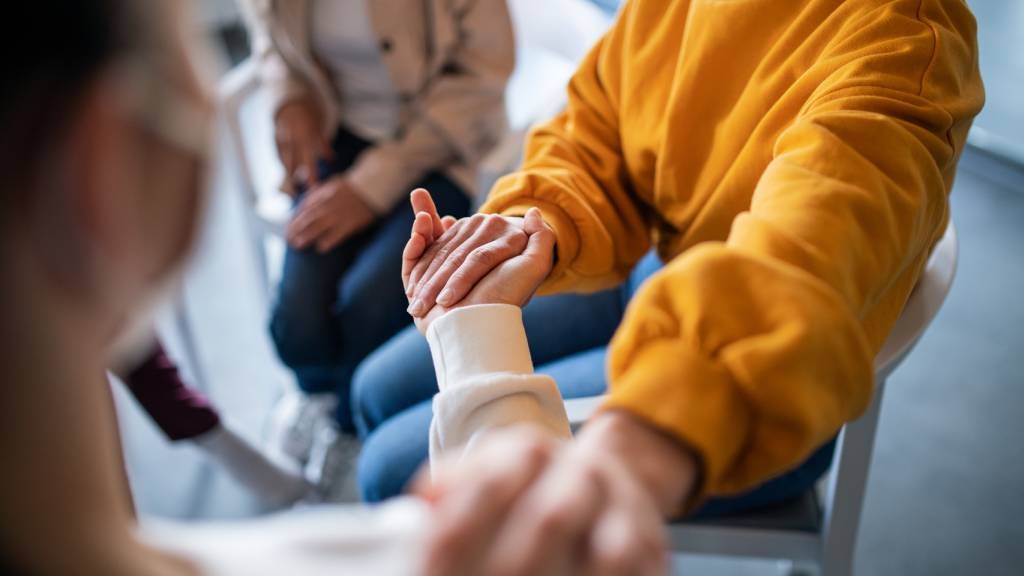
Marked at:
<point>386,540</point>
<point>485,379</point>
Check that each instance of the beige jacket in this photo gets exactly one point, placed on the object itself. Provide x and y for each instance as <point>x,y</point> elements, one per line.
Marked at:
<point>449,60</point>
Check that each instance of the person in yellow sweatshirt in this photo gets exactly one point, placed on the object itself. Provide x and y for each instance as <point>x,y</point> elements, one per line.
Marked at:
<point>789,161</point>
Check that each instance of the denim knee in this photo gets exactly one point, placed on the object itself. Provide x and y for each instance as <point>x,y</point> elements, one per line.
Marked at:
<point>301,341</point>
<point>375,480</point>
<point>370,385</point>
<point>395,377</point>
<point>363,413</point>
<point>393,453</point>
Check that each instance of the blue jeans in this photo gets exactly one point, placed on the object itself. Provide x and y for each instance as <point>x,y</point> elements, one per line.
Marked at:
<point>333,309</point>
<point>393,387</point>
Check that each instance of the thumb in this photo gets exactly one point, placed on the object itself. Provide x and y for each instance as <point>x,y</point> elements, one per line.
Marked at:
<point>422,202</point>
<point>417,244</point>
<point>541,243</point>
<point>533,222</point>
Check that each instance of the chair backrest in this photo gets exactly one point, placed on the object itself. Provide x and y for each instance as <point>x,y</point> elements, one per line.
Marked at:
<point>245,108</point>
<point>922,306</point>
<point>844,497</point>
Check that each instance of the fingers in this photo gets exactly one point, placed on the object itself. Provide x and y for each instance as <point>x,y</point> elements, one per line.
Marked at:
<point>447,222</point>
<point>629,537</point>
<point>474,498</point>
<point>542,240</point>
<point>331,237</point>
<point>309,223</point>
<point>435,255</point>
<point>423,202</point>
<point>621,546</point>
<point>286,152</point>
<point>309,162</point>
<point>311,219</point>
<point>478,253</point>
<point>461,273</point>
<point>551,523</point>
<point>453,256</point>
<point>533,222</point>
<point>326,152</point>
<point>422,228</point>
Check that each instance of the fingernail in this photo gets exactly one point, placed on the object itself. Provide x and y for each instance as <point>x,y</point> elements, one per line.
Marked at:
<point>416,308</point>
<point>444,296</point>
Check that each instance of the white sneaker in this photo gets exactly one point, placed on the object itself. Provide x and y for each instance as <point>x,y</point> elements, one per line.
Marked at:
<point>294,421</point>
<point>332,467</point>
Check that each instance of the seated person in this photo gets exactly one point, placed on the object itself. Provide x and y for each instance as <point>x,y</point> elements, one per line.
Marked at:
<point>102,157</point>
<point>369,100</point>
<point>789,163</point>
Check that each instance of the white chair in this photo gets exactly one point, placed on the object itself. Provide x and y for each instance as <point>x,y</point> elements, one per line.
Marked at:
<point>808,533</point>
<point>551,37</point>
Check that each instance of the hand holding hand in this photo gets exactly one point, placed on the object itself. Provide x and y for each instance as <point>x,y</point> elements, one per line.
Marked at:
<point>300,143</point>
<point>328,215</point>
<point>461,255</point>
<point>521,503</point>
<point>511,281</point>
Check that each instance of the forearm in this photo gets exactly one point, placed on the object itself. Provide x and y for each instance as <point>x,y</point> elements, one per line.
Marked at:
<point>486,380</point>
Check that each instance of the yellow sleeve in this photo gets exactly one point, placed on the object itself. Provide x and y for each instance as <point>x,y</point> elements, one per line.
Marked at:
<point>756,350</point>
<point>575,174</point>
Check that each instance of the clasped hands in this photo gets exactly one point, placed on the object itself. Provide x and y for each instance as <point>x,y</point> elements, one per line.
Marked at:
<point>331,211</point>
<point>521,502</point>
<point>482,259</point>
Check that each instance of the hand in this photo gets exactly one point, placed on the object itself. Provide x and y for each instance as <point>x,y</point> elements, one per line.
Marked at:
<point>300,143</point>
<point>512,282</point>
<point>328,215</point>
<point>465,253</point>
<point>522,504</point>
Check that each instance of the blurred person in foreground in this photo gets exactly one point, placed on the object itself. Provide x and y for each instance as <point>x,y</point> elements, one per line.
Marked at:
<point>103,154</point>
<point>789,163</point>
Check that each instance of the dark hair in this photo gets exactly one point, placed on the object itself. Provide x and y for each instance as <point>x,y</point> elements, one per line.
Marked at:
<point>54,49</point>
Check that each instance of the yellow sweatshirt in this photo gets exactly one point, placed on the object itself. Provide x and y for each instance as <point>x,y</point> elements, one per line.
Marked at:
<point>790,160</point>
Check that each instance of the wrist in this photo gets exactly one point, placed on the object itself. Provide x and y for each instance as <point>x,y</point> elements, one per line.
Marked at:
<point>666,468</point>
<point>301,104</point>
<point>478,340</point>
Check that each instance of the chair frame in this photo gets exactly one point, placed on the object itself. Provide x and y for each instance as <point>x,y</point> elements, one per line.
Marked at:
<point>240,84</point>
<point>832,549</point>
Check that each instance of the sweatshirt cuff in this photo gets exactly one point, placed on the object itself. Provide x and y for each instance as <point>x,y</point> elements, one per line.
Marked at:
<point>690,398</point>
<point>478,340</point>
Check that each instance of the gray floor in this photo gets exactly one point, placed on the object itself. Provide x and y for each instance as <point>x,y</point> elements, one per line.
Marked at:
<point>946,494</point>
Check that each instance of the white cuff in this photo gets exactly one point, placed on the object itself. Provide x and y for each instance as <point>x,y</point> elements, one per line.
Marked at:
<point>478,340</point>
